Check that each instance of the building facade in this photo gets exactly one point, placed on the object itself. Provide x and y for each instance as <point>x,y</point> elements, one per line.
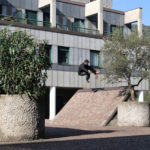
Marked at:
<point>74,30</point>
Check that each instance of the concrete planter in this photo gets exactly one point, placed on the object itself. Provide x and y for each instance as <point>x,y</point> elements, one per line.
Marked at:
<point>134,114</point>
<point>21,118</point>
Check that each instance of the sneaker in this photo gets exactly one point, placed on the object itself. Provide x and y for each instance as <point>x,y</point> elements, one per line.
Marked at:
<point>87,81</point>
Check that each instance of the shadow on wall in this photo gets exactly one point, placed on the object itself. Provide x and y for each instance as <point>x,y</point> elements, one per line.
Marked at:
<point>117,143</point>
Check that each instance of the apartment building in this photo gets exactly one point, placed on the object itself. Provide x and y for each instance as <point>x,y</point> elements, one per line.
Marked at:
<point>74,30</point>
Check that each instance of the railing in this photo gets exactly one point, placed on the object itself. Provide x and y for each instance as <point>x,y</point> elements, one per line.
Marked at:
<point>77,29</point>
<point>47,24</point>
<point>25,20</point>
<point>106,33</point>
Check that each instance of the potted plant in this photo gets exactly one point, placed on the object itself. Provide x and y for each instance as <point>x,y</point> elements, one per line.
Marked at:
<point>23,60</point>
<point>127,57</point>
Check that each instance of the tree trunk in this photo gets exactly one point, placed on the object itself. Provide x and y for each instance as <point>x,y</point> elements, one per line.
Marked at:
<point>132,93</point>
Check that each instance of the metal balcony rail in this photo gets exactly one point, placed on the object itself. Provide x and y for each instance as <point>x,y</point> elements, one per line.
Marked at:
<point>47,24</point>
<point>77,29</point>
<point>25,21</point>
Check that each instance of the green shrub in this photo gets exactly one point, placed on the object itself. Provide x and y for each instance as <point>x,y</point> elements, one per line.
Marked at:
<point>23,60</point>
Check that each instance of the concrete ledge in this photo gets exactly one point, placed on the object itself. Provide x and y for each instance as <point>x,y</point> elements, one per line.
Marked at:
<point>134,114</point>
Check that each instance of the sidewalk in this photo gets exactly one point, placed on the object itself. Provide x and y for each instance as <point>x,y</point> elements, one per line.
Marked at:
<point>89,138</point>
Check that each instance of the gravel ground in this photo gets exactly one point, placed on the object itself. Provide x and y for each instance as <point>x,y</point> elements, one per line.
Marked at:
<point>87,138</point>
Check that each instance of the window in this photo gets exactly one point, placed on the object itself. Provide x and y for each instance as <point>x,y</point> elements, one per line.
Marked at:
<point>46,17</point>
<point>78,25</point>
<point>48,49</point>
<point>62,22</point>
<point>105,28</point>
<point>114,28</point>
<point>63,55</point>
<point>0,9</point>
<point>95,58</point>
<point>9,11</point>
<point>20,16</point>
<point>31,17</point>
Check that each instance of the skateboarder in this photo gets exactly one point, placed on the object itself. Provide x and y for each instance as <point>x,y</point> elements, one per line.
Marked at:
<point>85,70</point>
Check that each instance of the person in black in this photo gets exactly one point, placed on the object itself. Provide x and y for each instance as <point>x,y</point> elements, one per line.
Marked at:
<point>85,70</point>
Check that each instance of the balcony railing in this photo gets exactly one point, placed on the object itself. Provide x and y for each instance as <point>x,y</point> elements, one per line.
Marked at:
<point>77,29</point>
<point>25,21</point>
<point>47,24</point>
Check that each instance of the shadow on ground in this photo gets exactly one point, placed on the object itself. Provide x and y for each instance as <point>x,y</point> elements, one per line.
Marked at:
<point>117,143</point>
<point>55,132</point>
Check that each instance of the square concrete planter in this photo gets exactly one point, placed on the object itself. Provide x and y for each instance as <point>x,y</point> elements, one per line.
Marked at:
<point>134,114</point>
<point>21,118</point>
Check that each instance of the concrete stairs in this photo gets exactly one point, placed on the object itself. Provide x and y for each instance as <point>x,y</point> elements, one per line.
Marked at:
<point>89,108</point>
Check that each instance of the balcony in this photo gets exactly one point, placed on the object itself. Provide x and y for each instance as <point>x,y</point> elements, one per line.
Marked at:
<point>13,19</point>
<point>47,24</point>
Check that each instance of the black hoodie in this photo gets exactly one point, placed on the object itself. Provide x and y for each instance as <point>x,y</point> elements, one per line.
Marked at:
<point>85,68</point>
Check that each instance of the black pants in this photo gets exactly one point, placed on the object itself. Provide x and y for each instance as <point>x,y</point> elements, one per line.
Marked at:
<point>85,74</point>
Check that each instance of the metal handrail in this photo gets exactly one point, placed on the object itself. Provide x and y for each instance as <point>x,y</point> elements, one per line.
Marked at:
<point>76,29</point>
<point>25,20</point>
<point>48,24</point>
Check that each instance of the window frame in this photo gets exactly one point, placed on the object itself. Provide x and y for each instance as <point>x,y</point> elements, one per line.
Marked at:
<point>78,25</point>
<point>99,58</point>
<point>46,19</point>
<point>115,27</point>
<point>61,48</point>
<point>1,9</point>
<point>48,48</point>
<point>34,21</point>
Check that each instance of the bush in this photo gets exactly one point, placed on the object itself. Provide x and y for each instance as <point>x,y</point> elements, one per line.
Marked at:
<point>23,60</point>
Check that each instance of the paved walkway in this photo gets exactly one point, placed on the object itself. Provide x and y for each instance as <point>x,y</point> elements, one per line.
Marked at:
<point>87,138</point>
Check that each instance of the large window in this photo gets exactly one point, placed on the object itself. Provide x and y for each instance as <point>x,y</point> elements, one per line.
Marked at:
<point>78,25</point>
<point>114,28</point>
<point>0,9</point>
<point>48,49</point>
<point>63,55</point>
<point>46,17</point>
<point>9,11</point>
<point>95,58</point>
<point>105,28</point>
<point>31,17</point>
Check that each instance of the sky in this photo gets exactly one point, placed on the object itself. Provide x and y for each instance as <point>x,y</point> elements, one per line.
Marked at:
<point>126,5</point>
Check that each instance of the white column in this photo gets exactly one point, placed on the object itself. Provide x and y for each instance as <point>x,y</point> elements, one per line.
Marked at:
<point>140,27</point>
<point>100,16</point>
<point>53,13</point>
<point>141,96</point>
<point>52,103</point>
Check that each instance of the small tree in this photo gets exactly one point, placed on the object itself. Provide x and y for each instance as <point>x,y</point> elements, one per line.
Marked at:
<point>126,57</point>
<point>22,61</point>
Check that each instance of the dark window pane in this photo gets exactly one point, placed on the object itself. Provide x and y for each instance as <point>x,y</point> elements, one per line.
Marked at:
<point>0,9</point>
<point>31,17</point>
<point>46,17</point>
<point>78,25</point>
<point>48,49</point>
<point>95,58</point>
<point>63,55</point>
